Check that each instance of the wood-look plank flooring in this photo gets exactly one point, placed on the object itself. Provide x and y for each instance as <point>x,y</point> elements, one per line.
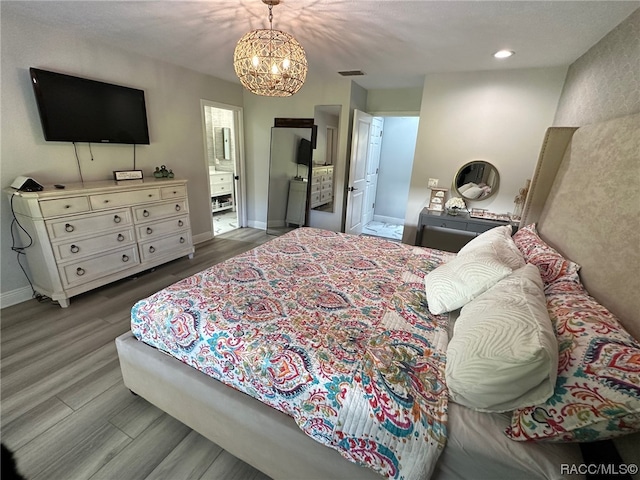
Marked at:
<point>65,411</point>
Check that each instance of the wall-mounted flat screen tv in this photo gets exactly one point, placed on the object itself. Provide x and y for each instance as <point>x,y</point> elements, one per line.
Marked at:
<point>305,151</point>
<point>74,109</point>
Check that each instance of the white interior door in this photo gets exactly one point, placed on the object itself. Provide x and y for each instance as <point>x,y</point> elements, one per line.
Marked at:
<point>373,166</point>
<point>357,184</point>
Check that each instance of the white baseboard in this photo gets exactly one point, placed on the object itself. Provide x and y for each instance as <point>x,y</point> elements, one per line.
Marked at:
<point>202,237</point>
<point>14,297</point>
<point>256,224</point>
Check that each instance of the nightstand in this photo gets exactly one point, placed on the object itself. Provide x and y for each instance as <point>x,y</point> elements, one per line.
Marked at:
<point>461,222</point>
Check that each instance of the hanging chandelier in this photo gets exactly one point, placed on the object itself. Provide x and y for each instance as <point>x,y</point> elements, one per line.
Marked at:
<point>270,62</point>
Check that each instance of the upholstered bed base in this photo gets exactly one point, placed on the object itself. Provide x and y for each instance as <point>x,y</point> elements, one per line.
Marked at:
<point>271,441</point>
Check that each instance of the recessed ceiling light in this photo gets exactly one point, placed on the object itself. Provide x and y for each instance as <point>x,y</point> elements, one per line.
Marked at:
<point>504,54</point>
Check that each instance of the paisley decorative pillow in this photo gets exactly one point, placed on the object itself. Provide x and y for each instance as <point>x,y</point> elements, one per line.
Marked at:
<point>558,273</point>
<point>597,392</point>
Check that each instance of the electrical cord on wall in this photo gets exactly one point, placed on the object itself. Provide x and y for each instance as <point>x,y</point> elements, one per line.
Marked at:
<point>20,251</point>
<point>75,149</point>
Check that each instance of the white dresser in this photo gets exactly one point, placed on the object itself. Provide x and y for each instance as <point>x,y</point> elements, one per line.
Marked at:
<point>321,185</point>
<point>93,233</point>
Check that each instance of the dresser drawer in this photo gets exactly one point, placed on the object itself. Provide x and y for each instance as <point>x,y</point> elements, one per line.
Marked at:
<point>315,188</point>
<point>221,188</point>
<point>448,224</point>
<point>83,225</point>
<point>92,268</point>
<point>157,229</point>
<point>64,206</point>
<point>220,178</point>
<point>160,210</point>
<point>158,248</point>
<point>218,188</point>
<point>89,246</point>
<point>110,200</point>
<point>177,191</point>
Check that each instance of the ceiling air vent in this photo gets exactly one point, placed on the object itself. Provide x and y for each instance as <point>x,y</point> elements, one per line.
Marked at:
<point>352,73</point>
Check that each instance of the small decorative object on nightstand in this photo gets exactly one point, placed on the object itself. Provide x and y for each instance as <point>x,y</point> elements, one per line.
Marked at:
<point>455,205</point>
<point>436,202</point>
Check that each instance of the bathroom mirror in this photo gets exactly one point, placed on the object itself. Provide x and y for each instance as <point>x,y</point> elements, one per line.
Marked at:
<point>291,154</point>
<point>476,180</point>
<point>222,137</point>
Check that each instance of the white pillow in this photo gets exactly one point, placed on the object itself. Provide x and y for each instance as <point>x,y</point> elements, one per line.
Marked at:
<point>504,353</point>
<point>459,281</point>
<point>502,242</point>
<point>466,187</point>
<point>473,192</point>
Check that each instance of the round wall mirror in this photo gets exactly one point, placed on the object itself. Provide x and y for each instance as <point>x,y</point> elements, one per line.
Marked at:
<point>476,180</point>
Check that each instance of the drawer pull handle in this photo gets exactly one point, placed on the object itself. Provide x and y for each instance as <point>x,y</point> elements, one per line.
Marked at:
<point>67,206</point>
<point>125,258</point>
<point>120,237</point>
<point>149,230</point>
<point>69,228</point>
<point>74,249</point>
<point>145,213</point>
<point>152,249</point>
<point>117,219</point>
<point>444,225</point>
<point>150,195</point>
<point>106,201</point>
<point>182,240</point>
<point>180,223</point>
<point>178,208</point>
<point>80,271</point>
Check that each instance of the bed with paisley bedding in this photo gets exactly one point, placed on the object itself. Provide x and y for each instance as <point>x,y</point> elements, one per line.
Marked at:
<point>326,355</point>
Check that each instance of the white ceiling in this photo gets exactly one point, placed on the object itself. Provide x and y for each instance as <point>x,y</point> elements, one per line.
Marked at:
<point>395,42</point>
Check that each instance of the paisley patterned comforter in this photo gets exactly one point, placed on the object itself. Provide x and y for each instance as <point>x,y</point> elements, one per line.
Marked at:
<point>328,328</point>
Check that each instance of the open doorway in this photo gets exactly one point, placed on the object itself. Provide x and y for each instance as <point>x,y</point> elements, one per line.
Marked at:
<point>222,127</point>
<point>389,155</point>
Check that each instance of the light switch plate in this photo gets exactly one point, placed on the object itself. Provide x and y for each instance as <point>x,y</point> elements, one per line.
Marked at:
<point>433,183</point>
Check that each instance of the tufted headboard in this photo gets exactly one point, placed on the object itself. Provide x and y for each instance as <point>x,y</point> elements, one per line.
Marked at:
<point>591,212</point>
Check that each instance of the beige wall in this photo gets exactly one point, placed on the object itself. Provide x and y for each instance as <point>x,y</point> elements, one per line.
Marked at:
<point>604,83</point>
<point>498,116</point>
<point>394,102</point>
<point>173,97</point>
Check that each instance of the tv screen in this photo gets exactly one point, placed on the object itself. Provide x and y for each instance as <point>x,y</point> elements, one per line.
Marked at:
<point>74,109</point>
<point>304,152</point>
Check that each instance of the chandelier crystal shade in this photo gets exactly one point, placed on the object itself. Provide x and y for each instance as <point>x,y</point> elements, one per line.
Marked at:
<point>270,62</point>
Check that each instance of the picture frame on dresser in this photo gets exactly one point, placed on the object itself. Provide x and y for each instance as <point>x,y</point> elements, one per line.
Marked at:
<point>127,175</point>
